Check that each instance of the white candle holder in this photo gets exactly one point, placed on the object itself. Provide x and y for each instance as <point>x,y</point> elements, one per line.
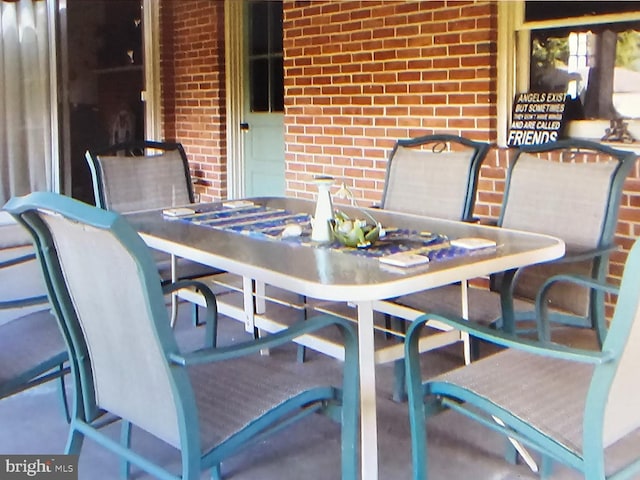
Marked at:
<point>321,231</point>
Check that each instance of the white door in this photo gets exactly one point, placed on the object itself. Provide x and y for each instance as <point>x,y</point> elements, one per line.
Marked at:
<point>262,125</point>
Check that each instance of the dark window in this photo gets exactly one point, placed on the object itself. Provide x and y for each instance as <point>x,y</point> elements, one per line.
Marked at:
<point>277,85</point>
<point>543,10</point>
<point>259,69</point>
<point>266,73</point>
<point>595,63</point>
<point>259,29</point>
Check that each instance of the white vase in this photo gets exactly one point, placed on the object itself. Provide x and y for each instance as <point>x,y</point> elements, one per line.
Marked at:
<point>321,231</point>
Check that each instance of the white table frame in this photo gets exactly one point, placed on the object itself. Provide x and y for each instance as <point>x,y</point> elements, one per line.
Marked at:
<point>329,275</point>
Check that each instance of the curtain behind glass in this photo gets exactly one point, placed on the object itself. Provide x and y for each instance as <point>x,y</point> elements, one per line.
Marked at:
<point>25,118</point>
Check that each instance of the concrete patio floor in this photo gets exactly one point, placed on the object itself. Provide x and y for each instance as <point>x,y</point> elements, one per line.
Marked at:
<point>32,423</point>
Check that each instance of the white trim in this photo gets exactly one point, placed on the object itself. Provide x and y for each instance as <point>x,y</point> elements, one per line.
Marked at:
<point>595,129</point>
<point>234,45</point>
<point>509,16</point>
<point>585,20</point>
<point>52,15</point>
<point>63,106</point>
<point>151,92</point>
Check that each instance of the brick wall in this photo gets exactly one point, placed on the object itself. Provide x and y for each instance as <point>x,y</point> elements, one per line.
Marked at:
<point>361,74</point>
<point>193,89</point>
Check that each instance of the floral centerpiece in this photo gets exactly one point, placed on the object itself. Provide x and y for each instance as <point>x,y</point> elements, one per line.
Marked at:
<point>355,232</point>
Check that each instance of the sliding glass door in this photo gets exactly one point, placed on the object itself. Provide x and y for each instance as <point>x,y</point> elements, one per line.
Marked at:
<point>102,81</point>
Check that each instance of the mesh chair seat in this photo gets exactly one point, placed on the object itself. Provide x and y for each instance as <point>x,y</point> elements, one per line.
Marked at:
<point>517,390</point>
<point>485,309</point>
<point>184,268</point>
<point>484,305</point>
<point>29,346</point>
<point>255,384</point>
<point>13,235</point>
<point>570,404</point>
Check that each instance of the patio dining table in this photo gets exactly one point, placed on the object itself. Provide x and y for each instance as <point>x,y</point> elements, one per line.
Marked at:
<point>250,239</point>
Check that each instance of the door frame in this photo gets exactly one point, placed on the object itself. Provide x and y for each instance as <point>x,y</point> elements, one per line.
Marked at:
<point>151,67</point>
<point>58,61</point>
<point>234,40</point>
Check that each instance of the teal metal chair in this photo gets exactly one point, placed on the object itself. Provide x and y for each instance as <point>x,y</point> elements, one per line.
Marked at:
<point>571,405</point>
<point>145,175</point>
<point>570,189</point>
<point>32,349</point>
<point>434,175</point>
<point>209,403</point>
<point>140,175</point>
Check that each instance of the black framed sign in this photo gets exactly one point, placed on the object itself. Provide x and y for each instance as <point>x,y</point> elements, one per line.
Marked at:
<point>538,117</point>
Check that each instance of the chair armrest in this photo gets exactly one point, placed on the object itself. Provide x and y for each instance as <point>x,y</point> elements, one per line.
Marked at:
<point>17,260</point>
<point>506,340</point>
<point>577,279</point>
<point>273,340</point>
<point>21,302</point>
<point>580,255</point>
<point>570,256</point>
<point>505,283</point>
<point>211,313</point>
<point>541,298</point>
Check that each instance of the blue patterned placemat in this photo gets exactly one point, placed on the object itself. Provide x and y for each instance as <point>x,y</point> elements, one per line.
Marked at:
<point>254,220</point>
<point>268,223</point>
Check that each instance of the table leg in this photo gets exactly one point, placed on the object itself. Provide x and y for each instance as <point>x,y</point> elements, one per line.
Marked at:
<point>466,342</point>
<point>260,307</point>
<point>261,303</point>
<point>368,419</point>
<point>174,296</point>
<point>249,306</point>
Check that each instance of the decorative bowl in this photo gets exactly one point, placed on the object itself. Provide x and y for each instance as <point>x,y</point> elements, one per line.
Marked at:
<point>355,233</point>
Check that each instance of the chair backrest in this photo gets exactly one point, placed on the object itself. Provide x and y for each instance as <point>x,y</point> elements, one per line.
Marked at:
<point>613,394</point>
<point>140,176</point>
<point>111,305</point>
<point>569,189</point>
<point>434,175</point>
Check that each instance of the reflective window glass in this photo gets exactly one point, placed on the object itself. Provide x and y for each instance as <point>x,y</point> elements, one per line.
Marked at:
<point>266,72</point>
